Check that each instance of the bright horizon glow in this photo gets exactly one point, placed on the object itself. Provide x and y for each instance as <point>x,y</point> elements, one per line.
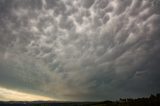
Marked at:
<point>12,95</point>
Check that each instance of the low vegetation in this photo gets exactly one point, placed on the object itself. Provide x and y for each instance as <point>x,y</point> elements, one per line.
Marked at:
<point>153,100</point>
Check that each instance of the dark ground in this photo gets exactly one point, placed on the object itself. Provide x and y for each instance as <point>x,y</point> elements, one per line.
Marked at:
<point>153,100</point>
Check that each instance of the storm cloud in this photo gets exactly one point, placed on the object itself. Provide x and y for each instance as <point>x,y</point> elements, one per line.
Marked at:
<point>80,49</point>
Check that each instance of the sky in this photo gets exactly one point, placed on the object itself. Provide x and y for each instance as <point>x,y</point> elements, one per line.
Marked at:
<point>79,49</point>
<point>12,95</point>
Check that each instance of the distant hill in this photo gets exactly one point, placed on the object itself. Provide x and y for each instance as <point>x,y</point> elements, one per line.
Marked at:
<point>153,100</point>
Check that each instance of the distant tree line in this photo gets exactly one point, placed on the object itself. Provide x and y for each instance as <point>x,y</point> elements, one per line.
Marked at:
<point>153,100</point>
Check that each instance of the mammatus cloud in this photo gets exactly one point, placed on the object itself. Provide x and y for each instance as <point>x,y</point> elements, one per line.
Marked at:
<point>80,49</point>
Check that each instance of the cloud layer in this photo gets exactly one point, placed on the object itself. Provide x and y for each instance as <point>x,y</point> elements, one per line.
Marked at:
<point>10,95</point>
<point>80,49</point>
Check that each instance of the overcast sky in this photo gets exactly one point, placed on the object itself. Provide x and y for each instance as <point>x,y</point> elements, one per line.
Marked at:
<point>79,49</point>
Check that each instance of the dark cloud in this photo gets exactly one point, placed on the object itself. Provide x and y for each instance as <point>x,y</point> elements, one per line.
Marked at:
<point>80,50</point>
<point>88,3</point>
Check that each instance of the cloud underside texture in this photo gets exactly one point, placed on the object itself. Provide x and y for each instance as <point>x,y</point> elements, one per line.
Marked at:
<point>80,49</point>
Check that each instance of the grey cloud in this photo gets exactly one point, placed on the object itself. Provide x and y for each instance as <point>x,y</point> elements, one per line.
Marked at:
<point>88,3</point>
<point>122,6</point>
<point>80,50</point>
